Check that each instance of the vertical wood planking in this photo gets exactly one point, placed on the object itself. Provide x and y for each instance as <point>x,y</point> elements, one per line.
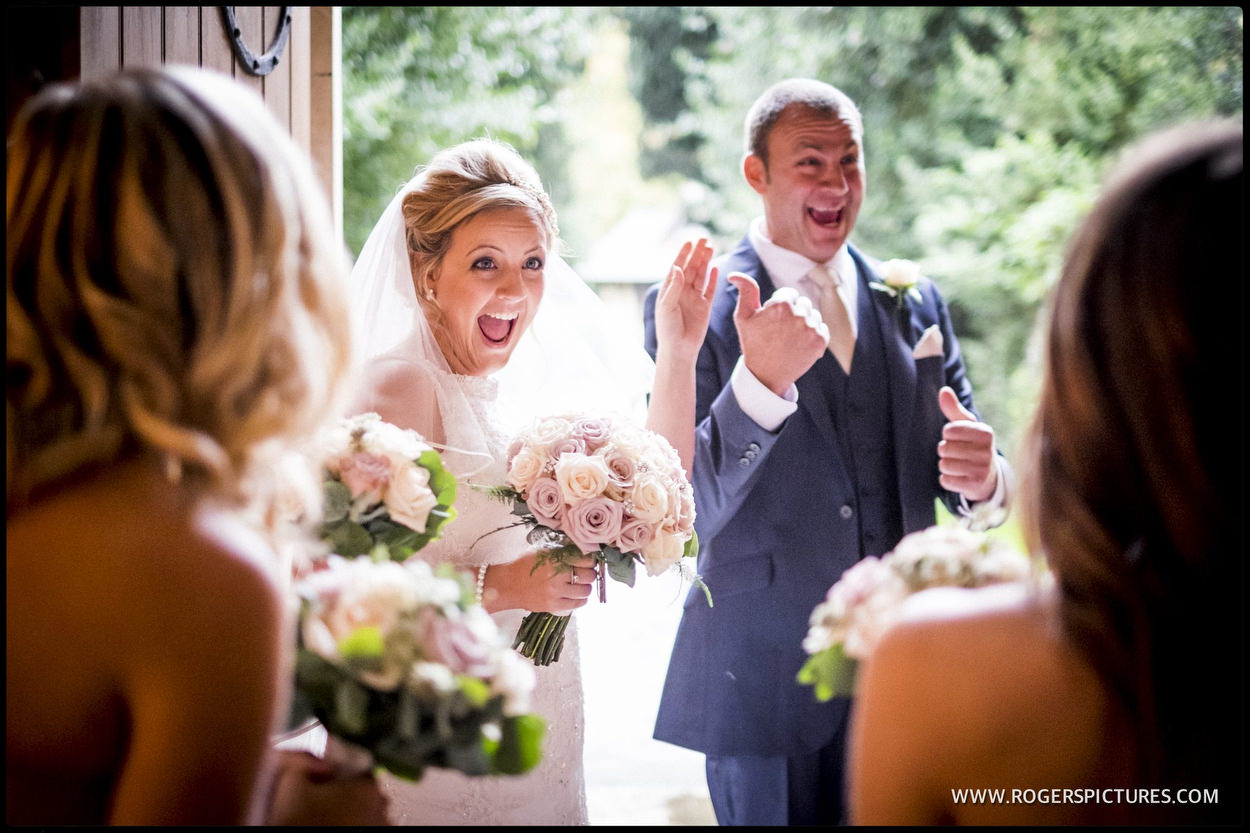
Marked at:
<point>100,30</point>
<point>277,84</point>
<point>301,77</point>
<point>327,103</point>
<point>182,35</point>
<point>142,36</point>
<point>215,50</point>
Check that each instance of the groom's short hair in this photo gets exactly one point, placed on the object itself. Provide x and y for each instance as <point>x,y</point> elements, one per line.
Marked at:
<point>805,92</point>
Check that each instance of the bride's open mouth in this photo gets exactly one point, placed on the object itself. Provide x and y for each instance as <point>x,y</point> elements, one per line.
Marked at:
<point>497,328</point>
<point>826,216</point>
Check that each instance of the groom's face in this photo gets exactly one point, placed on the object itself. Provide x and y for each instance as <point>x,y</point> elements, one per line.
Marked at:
<point>813,183</point>
<point>488,288</point>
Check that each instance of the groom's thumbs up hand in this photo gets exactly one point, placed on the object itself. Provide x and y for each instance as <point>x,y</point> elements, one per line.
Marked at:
<point>780,339</point>
<point>966,453</point>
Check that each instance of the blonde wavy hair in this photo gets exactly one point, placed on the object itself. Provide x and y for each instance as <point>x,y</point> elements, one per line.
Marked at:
<point>174,283</point>
<point>458,184</point>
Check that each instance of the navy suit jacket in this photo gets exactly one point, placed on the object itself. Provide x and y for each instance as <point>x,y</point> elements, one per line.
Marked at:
<point>776,525</point>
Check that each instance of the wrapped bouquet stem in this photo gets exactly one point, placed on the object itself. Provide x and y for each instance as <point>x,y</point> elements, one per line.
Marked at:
<point>598,487</point>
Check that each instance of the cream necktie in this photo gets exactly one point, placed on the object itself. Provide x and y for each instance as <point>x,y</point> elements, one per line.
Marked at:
<point>833,311</point>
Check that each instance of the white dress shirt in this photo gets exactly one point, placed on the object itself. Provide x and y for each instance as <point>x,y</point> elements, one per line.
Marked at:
<point>787,268</point>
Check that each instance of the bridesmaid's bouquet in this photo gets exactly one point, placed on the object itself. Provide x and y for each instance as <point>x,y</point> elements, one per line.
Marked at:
<point>595,486</point>
<point>405,672</point>
<point>386,491</point>
<point>861,606</point>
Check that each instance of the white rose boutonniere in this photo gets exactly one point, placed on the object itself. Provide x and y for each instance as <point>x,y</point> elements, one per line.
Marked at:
<point>899,279</point>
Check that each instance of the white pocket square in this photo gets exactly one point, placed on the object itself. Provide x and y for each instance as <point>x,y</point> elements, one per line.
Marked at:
<point>930,344</point>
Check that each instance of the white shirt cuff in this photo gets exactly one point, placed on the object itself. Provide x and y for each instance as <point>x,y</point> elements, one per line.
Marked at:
<point>998,500</point>
<point>765,408</point>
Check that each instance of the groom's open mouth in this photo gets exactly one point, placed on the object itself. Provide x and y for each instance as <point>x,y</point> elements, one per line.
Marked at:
<point>826,216</point>
<point>497,328</point>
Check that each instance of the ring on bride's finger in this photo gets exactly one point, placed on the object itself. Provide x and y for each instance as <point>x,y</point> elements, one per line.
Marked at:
<point>573,577</point>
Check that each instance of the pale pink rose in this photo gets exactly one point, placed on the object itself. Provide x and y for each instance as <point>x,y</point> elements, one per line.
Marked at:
<point>354,594</point>
<point>593,431</point>
<point>454,643</point>
<point>621,466</point>
<point>409,499</point>
<point>546,501</point>
<point>364,474</point>
<point>524,467</point>
<point>662,553</point>
<point>565,445</point>
<point>649,497</point>
<point>857,608</point>
<point>592,523</point>
<point>581,477</point>
<point>635,535</point>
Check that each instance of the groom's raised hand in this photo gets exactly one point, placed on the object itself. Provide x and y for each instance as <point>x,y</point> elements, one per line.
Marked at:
<point>780,339</point>
<point>966,459</point>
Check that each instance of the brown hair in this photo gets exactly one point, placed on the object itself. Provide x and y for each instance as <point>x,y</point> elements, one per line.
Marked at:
<point>808,93</point>
<point>1132,485</point>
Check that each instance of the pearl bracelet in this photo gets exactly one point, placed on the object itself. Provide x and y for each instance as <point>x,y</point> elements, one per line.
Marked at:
<point>481,582</point>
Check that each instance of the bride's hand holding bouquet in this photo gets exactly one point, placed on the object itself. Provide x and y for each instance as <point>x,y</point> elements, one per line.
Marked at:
<point>596,491</point>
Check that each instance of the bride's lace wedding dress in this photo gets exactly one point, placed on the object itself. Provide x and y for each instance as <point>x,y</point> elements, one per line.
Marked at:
<point>484,532</point>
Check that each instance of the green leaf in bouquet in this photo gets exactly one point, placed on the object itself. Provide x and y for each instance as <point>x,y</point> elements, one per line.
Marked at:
<point>621,567</point>
<point>475,690</point>
<point>351,708</point>
<point>832,673</point>
<point>399,539</point>
<point>439,517</point>
<point>442,482</point>
<point>520,745</point>
<point>691,550</point>
<point>338,500</point>
<point>347,538</point>
<point>363,643</point>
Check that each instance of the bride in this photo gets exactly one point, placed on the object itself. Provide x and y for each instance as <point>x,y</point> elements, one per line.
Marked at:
<point>473,324</point>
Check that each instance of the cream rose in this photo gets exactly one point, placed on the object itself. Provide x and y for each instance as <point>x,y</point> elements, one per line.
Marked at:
<point>581,477</point>
<point>662,553</point>
<point>408,497</point>
<point>649,497</point>
<point>525,467</point>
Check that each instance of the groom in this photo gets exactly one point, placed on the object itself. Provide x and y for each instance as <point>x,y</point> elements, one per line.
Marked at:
<point>807,459</point>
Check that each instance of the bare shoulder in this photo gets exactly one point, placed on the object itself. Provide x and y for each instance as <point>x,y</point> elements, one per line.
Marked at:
<point>997,645</point>
<point>400,390</point>
<point>981,688</point>
<point>127,545</point>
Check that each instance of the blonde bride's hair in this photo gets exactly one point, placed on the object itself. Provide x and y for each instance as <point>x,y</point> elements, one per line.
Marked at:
<point>174,283</point>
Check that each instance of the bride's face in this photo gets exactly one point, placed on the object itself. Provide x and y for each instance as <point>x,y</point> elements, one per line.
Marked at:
<point>488,288</point>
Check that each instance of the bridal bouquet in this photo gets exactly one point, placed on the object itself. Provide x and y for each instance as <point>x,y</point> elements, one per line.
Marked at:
<point>860,606</point>
<point>596,486</point>
<point>385,489</point>
<point>405,672</point>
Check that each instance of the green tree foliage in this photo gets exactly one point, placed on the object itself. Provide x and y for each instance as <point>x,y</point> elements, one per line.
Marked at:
<point>417,79</point>
<point>988,131</point>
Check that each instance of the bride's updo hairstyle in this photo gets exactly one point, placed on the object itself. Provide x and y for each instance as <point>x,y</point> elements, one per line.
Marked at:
<point>174,283</point>
<point>457,184</point>
<point>1133,486</point>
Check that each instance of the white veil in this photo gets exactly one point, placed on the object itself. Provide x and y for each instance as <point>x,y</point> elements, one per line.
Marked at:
<point>570,359</point>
